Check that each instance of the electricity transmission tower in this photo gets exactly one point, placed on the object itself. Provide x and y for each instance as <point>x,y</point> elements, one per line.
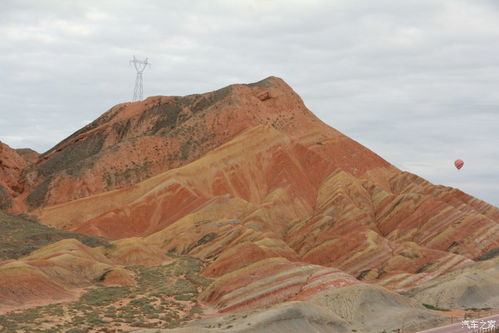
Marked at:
<point>140,66</point>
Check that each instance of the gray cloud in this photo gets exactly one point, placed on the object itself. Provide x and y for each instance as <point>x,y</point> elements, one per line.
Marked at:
<point>415,81</point>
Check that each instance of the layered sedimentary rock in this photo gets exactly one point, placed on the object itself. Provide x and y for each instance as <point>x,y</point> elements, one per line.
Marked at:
<point>11,167</point>
<point>275,182</point>
<point>134,141</point>
<point>474,286</point>
<point>277,205</point>
<point>55,273</point>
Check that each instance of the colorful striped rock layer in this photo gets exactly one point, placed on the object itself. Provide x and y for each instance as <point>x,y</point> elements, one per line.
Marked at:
<point>278,207</point>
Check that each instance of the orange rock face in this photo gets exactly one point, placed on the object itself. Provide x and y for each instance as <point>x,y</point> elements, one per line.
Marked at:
<point>50,274</point>
<point>11,166</point>
<point>134,141</point>
<point>277,204</point>
<point>29,155</point>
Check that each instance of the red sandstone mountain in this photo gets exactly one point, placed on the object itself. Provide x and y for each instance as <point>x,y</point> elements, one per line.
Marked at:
<point>134,141</point>
<point>278,206</point>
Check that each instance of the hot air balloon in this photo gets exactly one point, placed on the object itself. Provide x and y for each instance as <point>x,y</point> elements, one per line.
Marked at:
<point>459,164</point>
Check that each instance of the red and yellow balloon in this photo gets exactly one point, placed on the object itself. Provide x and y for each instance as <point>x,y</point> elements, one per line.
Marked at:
<point>459,164</point>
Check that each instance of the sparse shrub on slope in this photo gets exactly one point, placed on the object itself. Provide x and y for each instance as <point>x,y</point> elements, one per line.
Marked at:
<point>21,235</point>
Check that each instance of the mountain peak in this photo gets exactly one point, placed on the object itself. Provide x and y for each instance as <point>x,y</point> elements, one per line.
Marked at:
<point>134,141</point>
<point>248,188</point>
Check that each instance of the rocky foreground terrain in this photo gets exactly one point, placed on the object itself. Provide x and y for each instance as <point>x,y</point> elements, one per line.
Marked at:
<point>236,210</point>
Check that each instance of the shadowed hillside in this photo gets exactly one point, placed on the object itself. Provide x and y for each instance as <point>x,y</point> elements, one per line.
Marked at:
<point>21,235</point>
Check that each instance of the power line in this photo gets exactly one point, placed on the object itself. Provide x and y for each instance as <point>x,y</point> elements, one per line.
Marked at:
<point>140,66</point>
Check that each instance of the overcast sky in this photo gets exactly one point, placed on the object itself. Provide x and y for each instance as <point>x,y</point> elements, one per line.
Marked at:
<point>416,81</point>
